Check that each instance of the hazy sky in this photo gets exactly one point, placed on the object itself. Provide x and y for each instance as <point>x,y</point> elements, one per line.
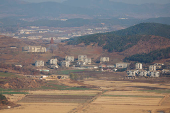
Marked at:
<point>124,1</point>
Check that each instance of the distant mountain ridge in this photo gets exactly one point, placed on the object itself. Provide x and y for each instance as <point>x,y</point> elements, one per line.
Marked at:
<point>92,8</point>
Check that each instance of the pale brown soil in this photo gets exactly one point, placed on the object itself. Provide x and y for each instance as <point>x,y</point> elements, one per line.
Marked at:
<point>111,97</point>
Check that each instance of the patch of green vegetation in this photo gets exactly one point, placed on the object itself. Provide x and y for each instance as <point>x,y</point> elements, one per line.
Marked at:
<point>157,91</point>
<point>62,87</point>
<point>142,96</point>
<point>77,88</point>
<point>14,93</point>
<point>1,89</point>
<point>11,91</point>
<point>6,74</point>
<point>67,72</point>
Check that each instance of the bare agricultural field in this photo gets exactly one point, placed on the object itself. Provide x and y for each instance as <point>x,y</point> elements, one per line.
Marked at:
<point>119,100</point>
<point>110,97</point>
<point>65,92</point>
<point>129,97</point>
<point>134,93</point>
<point>125,85</point>
<point>50,101</point>
<point>42,108</point>
<point>55,99</point>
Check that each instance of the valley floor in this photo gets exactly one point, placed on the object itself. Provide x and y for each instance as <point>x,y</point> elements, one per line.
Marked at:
<point>110,97</point>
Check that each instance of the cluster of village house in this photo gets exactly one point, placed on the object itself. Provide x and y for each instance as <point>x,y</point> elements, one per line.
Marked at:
<point>152,72</point>
<point>84,61</point>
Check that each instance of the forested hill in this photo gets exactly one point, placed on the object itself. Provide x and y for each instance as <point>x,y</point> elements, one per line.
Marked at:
<point>146,29</point>
<point>123,39</point>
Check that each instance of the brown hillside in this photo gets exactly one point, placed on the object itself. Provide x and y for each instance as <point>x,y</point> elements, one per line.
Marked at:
<point>20,83</point>
<point>148,44</point>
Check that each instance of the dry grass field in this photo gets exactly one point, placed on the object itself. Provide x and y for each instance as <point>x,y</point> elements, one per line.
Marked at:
<point>111,97</point>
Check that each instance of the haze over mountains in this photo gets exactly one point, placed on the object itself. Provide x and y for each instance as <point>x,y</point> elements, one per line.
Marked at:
<point>82,9</point>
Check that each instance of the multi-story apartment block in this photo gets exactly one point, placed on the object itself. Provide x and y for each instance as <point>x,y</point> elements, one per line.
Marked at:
<point>39,63</point>
<point>65,63</point>
<point>53,61</point>
<point>82,57</point>
<point>36,49</point>
<point>152,68</point>
<point>69,58</point>
<point>138,65</point>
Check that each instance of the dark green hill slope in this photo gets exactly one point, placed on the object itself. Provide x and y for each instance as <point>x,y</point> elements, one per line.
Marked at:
<point>123,39</point>
<point>146,29</point>
<point>150,57</point>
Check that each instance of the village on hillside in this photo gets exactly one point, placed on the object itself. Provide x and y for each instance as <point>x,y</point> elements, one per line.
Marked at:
<point>84,62</point>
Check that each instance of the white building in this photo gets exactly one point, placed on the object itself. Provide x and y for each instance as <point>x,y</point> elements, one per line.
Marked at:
<point>82,57</point>
<point>131,72</point>
<point>81,63</point>
<point>53,61</point>
<point>143,73</point>
<point>69,58</point>
<point>35,49</point>
<point>87,60</point>
<point>138,65</point>
<point>152,68</point>
<point>121,65</point>
<point>39,63</point>
<point>65,63</point>
<point>104,59</point>
<point>154,73</point>
<point>158,65</point>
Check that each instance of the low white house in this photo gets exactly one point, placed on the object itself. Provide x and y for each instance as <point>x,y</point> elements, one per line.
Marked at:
<point>158,65</point>
<point>81,63</point>
<point>153,73</point>
<point>121,65</point>
<point>143,73</point>
<point>132,72</point>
